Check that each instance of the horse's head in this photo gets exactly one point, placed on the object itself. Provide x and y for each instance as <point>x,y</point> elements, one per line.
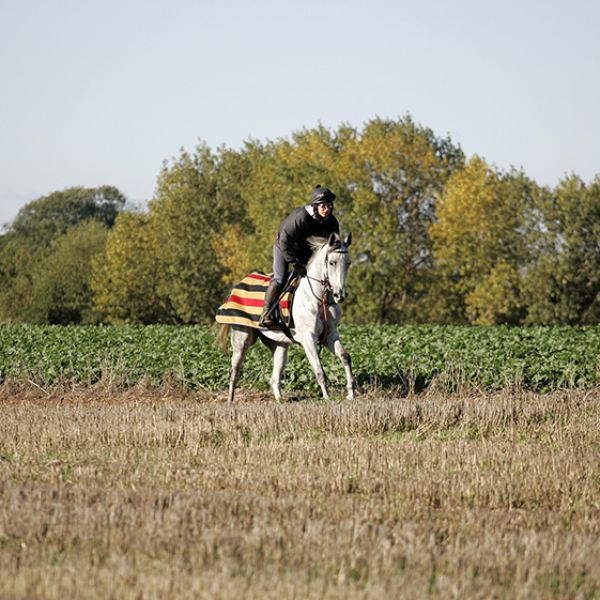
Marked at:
<point>337,262</point>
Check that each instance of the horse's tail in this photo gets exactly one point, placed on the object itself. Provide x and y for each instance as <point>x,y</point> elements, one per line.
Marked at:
<point>222,337</point>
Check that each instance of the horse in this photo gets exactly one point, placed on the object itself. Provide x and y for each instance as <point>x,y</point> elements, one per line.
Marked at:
<point>316,315</point>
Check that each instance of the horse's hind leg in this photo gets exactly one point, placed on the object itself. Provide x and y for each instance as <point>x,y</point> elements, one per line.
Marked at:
<point>241,340</point>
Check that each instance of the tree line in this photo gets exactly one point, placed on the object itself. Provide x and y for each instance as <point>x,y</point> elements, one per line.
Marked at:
<point>436,238</point>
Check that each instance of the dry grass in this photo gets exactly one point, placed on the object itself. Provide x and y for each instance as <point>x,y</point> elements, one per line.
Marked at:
<point>157,495</point>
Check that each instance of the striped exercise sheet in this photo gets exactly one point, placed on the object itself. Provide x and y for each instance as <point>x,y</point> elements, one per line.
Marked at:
<point>246,302</point>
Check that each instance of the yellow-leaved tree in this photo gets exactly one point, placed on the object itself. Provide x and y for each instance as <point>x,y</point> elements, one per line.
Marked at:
<point>480,246</point>
<point>127,275</point>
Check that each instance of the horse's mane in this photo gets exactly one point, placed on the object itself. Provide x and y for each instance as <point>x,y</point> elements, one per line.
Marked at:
<point>316,242</point>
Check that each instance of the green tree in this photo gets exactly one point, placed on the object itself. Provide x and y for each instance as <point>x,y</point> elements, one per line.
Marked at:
<point>42,221</point>
<point>173,264</point>
<point>19,266</point>
<point>45,227</point>
<point>62,291</point>
<point>563,282</point>
<point>197,198</point>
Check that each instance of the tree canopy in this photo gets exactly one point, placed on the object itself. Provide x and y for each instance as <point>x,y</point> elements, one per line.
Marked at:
<point>46,255</point>
<point>437,238</point>
<point>479,246</point>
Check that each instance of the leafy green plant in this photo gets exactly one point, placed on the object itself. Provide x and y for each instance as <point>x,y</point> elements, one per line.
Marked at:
<point>411,357</point>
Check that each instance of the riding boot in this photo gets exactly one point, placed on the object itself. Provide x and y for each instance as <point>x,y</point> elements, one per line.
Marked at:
<point>271,299</point>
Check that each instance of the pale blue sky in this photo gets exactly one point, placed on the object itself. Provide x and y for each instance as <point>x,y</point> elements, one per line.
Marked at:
<point>102,92</point>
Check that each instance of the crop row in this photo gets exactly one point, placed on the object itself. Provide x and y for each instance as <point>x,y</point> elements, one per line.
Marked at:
<point>539,359</point>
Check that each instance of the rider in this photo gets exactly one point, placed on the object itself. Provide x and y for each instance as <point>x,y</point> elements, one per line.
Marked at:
<point>291,245</point>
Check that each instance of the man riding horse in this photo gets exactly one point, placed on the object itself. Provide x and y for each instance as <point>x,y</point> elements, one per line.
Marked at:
<point>291,247</point>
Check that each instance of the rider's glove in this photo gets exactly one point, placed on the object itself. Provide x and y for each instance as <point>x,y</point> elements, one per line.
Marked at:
<point>300,269</point>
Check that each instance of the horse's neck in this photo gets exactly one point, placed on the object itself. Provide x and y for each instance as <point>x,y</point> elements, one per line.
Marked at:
<point>316,269</point>
<point>312,284</point>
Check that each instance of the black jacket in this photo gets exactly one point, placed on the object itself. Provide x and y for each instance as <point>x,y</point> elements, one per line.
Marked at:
<point>297,227</point>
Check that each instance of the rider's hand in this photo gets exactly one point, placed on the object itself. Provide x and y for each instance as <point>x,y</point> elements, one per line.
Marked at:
<point>300,269</point>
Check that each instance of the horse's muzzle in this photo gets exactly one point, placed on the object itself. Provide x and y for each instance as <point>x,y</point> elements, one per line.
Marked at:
<point>340,297</point>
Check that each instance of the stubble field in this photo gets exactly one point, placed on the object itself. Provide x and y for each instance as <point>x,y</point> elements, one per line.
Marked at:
<point>166,494</point>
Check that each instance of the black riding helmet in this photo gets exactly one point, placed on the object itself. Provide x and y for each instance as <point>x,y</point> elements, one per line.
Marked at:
<point>321,195</point>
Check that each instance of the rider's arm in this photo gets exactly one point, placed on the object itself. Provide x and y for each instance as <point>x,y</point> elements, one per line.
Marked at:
<point>290,230</point>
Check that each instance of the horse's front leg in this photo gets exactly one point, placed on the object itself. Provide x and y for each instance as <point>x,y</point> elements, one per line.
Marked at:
<point>310,345</point>
<point>335,346</point>
<point>280,353</point>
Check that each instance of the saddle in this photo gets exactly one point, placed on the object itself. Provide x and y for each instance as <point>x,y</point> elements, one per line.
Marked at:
<point>245,304</point>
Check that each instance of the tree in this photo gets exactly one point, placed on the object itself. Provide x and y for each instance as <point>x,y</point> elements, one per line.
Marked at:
<point>62,292</point>
<point>42,220</point>
<point>45,227</point>
<point>173,264</point>
<point>19,265</point>
<point>392,172</point>
<point>193,203</point>
<point>563,282</point>
<point>385,180</point>
<point>480,246</point>
<point>127,275</point>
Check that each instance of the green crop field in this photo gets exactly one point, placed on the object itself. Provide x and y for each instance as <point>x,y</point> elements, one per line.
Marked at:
<point>538,359</point>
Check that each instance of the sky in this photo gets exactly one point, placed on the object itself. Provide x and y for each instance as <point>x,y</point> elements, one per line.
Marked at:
<point>104,92</point>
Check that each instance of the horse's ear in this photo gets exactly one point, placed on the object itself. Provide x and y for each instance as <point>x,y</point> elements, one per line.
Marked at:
<point>348,239</point>
<point>334,239</point>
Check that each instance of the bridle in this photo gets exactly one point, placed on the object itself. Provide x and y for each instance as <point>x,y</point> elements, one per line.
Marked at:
<point>325,282</point>
<point>327,289</point>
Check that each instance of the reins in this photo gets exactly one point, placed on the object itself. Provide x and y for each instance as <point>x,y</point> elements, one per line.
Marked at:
<point>325,331</point>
